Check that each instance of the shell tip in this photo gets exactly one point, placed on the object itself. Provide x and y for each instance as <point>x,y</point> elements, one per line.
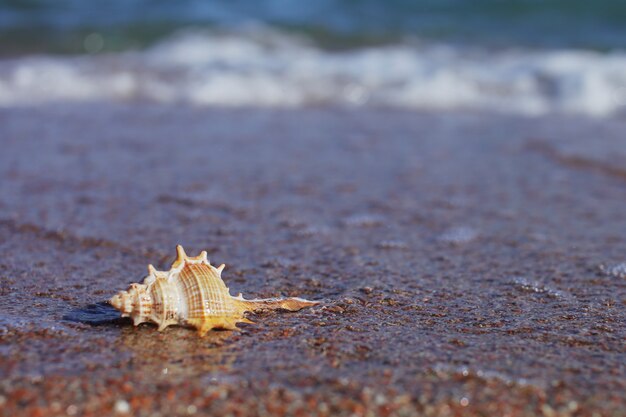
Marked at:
<point>181,252</point>
<point>181,256</point>
<point>116,301</point>
<point>221,268</point>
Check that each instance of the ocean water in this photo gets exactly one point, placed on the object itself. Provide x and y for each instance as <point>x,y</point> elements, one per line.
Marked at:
<point>523,56</point>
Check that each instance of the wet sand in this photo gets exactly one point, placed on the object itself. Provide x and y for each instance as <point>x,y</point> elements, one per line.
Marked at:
<point>468,264</point>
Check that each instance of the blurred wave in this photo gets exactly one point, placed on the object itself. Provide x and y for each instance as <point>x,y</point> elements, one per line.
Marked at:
<point>264,67</point>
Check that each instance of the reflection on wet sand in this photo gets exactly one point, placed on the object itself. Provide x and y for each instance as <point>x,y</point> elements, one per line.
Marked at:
<point>176,353</point>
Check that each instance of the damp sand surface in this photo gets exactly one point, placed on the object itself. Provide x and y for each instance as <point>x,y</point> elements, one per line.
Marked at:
<point>468,264</point>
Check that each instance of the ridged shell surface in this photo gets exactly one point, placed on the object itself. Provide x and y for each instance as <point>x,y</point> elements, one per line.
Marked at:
<point>193,294</point>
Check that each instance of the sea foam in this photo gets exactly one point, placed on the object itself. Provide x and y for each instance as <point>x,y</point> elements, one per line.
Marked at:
<point>277,70</point>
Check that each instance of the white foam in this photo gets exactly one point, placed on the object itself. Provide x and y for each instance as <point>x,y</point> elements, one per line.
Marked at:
<point>537,287</point>
<point>459,235</point>
<point>271,69</point>
<point>616,271</point>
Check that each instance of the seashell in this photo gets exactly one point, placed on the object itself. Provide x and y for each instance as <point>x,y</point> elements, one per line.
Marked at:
<point>192,294</point>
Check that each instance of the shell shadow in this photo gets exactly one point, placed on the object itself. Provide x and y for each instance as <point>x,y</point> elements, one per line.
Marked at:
<point>98,314</point>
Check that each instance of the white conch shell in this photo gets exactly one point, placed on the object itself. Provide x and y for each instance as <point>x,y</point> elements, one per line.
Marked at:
<point>192,294</point>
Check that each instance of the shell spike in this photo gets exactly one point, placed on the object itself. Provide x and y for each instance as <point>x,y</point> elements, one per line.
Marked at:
<point>181,256</point>
<point>152,270</point>
<point>204,256</point>
<point>180,252</point>
<point>220,269</point>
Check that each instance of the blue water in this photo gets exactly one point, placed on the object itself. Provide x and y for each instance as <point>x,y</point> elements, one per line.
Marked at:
<point>61,25</point>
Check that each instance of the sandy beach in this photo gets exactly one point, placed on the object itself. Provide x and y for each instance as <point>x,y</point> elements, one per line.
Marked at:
<point>467,263</point>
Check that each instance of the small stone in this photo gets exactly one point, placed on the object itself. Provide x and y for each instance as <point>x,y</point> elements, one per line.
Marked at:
<point>547,410</point>
<point>121,407</point>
